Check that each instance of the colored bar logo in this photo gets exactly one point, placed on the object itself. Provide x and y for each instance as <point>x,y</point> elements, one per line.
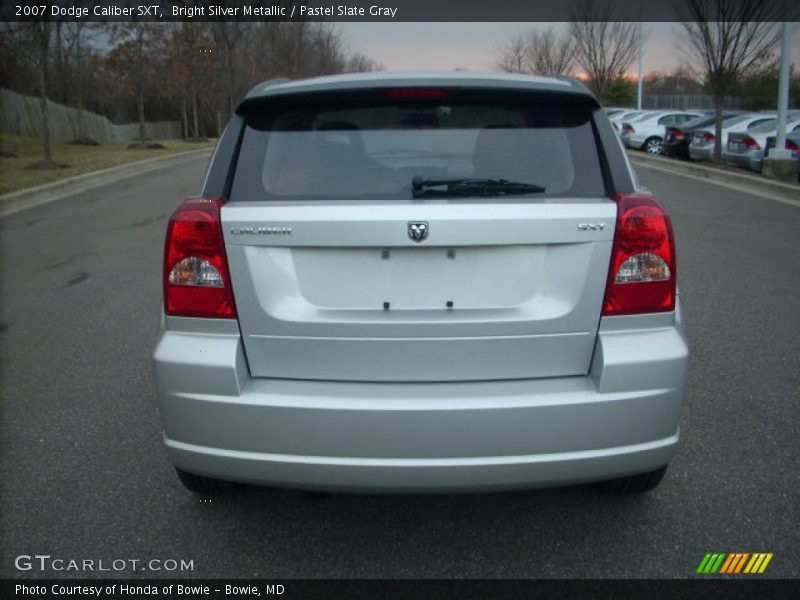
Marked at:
<point>734,563</point>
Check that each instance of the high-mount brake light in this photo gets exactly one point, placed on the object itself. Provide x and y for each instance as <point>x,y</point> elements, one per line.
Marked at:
<point>196,277</point>
<point>641,276</point>
<point>418,93</point>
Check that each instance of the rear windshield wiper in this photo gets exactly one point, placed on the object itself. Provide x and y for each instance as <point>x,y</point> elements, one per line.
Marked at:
<point>421,187</point>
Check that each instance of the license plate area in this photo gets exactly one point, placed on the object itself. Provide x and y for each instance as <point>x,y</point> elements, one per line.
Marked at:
<point>419,278</point>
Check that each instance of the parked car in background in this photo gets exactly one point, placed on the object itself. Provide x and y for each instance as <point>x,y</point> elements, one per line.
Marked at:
<point>792,144</point>
<point>701,146</point>
<point>746,149</point>
<point>677,137</point>
<point>647,132</point>
<point>626,115</point>
<point>486,301</point>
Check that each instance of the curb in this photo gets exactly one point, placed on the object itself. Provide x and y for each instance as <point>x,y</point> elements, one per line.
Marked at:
<point>749,183</point>
<point>49,192</point>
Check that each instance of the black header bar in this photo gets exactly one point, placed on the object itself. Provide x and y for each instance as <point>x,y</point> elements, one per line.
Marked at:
<point>373,10</point>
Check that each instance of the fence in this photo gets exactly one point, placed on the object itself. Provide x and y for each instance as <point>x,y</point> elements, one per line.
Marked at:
<point>686,101</point>
<point>22,115</point>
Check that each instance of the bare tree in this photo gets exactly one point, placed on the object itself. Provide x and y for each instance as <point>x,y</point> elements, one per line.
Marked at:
<point>513,54</point>
<point>78,36</point>
<point>227,35</point>
<point>135,43</point>
<point>537,53</point>
<point>728,39</point>
<point>605,46</point>
<point>42,33</point>
<point>550,53</point>
<point>361,63</point>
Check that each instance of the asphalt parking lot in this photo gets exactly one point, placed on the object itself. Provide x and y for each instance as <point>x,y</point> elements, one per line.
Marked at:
<point>84,475</point>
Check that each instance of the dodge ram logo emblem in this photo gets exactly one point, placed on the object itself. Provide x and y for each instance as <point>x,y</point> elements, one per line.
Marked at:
<point>418,231</point>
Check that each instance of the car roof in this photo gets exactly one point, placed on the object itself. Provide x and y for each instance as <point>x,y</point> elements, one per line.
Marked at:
<point>389,79</point>
<point>686,111</point>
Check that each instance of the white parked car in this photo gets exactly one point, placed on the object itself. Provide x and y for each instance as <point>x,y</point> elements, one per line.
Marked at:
<point>702,144</point>
<point>626,115</point>
<point>646,132</point>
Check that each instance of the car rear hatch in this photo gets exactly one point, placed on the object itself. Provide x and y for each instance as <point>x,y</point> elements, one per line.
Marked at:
<point>342,271</point>
<point>702,137</point>
<point>741,143</point>
<point>674,136</point>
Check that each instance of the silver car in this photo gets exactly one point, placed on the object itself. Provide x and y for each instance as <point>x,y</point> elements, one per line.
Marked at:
<point>701,146</point>
<point>420,282</point>
<point>746,149</point>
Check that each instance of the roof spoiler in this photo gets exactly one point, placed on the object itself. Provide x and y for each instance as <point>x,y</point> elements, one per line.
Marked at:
<point>259,87</point>
<point>575,82</point>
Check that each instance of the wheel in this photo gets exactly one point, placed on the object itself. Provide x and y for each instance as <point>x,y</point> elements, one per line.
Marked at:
<point>203,486</point>
<point>653,145</point>
<point>635,484</point>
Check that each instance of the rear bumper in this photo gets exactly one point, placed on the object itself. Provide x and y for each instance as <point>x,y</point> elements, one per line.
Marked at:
<point>680,150</point>
<point>633,141</point>
<point>701,153</point>
<point>750,160</point>
<point>622,418</point>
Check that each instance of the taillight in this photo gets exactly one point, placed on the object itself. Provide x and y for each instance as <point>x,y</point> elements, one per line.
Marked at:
<point>641,277</point>
<point>678,134</point>
<point>196,278</point>
<point>751,144</point>
<point>708,137</point>
<point>626,128</point>
<point>790,145</point>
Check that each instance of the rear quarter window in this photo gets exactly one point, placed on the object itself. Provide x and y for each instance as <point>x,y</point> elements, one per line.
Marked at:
<point>366,146</point>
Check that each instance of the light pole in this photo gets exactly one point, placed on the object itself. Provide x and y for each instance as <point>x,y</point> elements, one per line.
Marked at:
<point>641,60</point>
<point>779,163</point>
<point>780,150</point>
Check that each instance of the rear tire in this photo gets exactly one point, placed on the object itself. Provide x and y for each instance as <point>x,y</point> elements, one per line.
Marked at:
<point>204,486</point>
<point>652,145</point>
<point>635,484</point>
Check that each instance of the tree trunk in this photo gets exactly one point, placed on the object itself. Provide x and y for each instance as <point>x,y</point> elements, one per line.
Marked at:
<point>79,87</point>
<point>230,74</point>
<point>718,101</point>
<point>81,120</point>
<point>142,134</point>
<point>195,123</point>
<point>184,117</point>
<point>140,80</point>
<point>61,89</point>
<point>45,51</point>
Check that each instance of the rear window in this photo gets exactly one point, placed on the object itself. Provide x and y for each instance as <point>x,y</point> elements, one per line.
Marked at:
<point>372,146</point>
<point>765,127</point>
<point>705,120</point>
<point>735,120</point>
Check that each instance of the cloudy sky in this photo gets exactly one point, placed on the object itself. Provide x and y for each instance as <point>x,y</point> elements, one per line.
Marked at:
<point>474,45</point>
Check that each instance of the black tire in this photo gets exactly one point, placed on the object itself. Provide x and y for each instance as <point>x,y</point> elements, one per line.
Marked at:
<point>635,484</point>
<point>204,486</point>
<point>652,145</point>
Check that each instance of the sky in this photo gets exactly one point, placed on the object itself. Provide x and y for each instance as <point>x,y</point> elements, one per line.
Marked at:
<point>473,46</point>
